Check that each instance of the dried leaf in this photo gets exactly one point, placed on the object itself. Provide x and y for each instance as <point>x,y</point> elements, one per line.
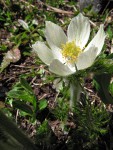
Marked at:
<point>23,24</point>
<point>2,105</point>
<point>11,56</point>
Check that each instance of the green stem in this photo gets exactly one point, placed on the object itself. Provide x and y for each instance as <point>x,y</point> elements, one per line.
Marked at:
<point>88,104</point>
<point>75,91</point>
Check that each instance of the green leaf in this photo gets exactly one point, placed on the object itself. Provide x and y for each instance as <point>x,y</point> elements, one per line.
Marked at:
<point>111,88</point>
<point>21,94</point>
<point>103,131</point>
<point>110,56</point>
<point>102,84</point>
<point>25,85</point>
<point>102,65</point>
<point>22,91</point>
<point>23,106</point>
<point>110,33</point>
<point>42,104</point>
<point>14,134</point>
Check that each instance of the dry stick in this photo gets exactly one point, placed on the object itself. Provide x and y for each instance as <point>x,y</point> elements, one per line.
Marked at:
<point>2,1</point>
<point>50,7</point>
<point>106,7</point>
<point>92,23</point>
<point>57,10</point>
<point>27,3</point>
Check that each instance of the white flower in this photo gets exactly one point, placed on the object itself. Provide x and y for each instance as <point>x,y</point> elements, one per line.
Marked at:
<point>66,52</point>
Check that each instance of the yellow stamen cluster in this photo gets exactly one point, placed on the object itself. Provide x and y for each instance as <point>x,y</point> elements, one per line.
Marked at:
<point>71,51</point>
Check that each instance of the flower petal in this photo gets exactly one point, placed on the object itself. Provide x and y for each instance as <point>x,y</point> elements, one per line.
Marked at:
<point>86,59</point>
<point>55,35</point>
<point>44,53</point>
<point>60,69</point>
<point>79,30</point>
<point>58,55</point>
<point>98,40</point>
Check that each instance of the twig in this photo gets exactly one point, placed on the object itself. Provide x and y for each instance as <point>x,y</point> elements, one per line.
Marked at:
<point>92,23</point>
<point>58,10</point>
<point>16,118</point>
<point>50,7</point>
<point>106,7</point>
<point>27,3</point>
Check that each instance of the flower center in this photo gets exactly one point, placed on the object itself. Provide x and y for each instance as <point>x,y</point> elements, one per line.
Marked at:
<point>70,51</point>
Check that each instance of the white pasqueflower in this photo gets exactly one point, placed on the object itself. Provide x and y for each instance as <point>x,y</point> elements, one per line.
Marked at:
<point>66,52</point>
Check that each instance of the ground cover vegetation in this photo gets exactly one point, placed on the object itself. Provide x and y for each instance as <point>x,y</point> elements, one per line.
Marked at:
<point>56,66</point>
